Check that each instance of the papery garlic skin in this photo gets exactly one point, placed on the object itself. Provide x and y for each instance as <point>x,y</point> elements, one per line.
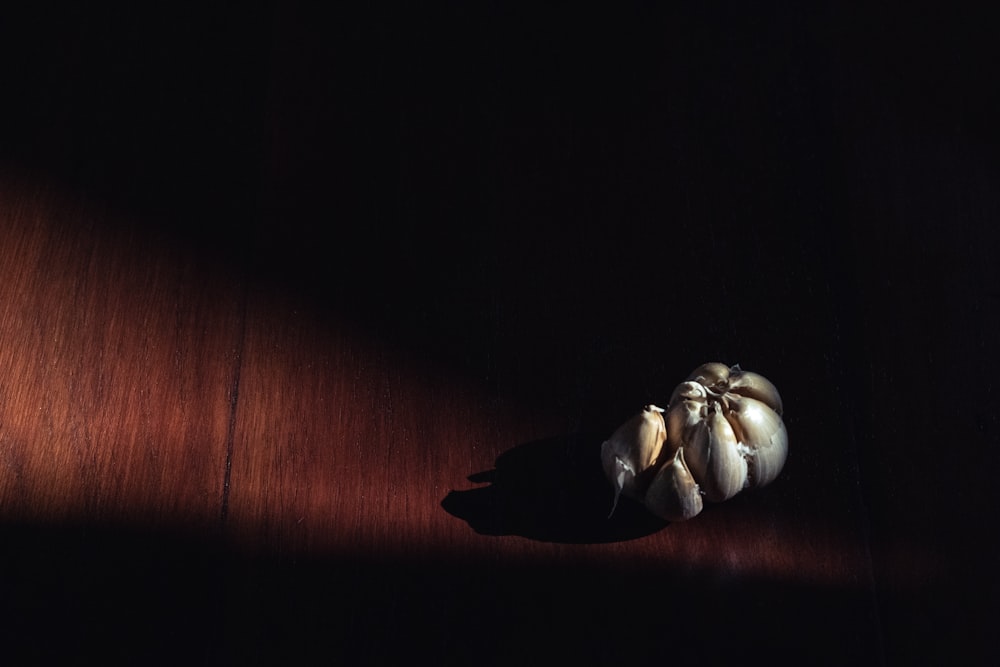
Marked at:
<point>722,433</point>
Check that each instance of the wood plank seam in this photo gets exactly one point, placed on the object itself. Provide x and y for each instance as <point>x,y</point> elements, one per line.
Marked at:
<point>234,395</point>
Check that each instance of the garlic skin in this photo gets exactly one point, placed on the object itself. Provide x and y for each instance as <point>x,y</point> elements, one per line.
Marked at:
<point>722,433</point>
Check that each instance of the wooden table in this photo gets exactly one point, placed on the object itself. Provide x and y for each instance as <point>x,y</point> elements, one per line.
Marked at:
<point>311,327</point>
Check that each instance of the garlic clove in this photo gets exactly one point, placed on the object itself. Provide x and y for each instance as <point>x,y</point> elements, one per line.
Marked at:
<point>693,391</point>
<point>632,449</point>
<point>714,375</point>
<point>714,458</point>
<point>754,385</point>
<point>674,495</point>
<point>762,435</point>
<point>683,418</point>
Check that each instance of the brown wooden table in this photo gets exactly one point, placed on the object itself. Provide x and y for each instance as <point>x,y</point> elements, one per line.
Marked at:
<point>311,329</point>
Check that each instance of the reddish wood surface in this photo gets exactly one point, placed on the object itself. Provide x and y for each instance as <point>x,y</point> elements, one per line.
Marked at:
<point>146,392</point>
<point>161,414</point>
<point>118,368</point>
<point>326,380</point>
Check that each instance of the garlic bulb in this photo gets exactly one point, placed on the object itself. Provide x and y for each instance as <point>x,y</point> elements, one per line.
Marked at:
<point>723,433</point>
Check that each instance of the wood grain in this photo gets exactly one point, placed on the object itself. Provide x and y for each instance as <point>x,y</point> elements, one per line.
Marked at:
<point>148,395</point>
<point>319,373</point>
<point>118,365</point>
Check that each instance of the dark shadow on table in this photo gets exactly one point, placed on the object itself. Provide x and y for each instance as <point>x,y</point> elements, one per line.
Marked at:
<point>551,490</point>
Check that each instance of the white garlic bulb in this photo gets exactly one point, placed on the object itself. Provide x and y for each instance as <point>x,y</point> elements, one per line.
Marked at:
<point>723,433</point>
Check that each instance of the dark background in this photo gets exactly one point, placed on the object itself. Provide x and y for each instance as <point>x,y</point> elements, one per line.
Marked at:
<point>577,206</point>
